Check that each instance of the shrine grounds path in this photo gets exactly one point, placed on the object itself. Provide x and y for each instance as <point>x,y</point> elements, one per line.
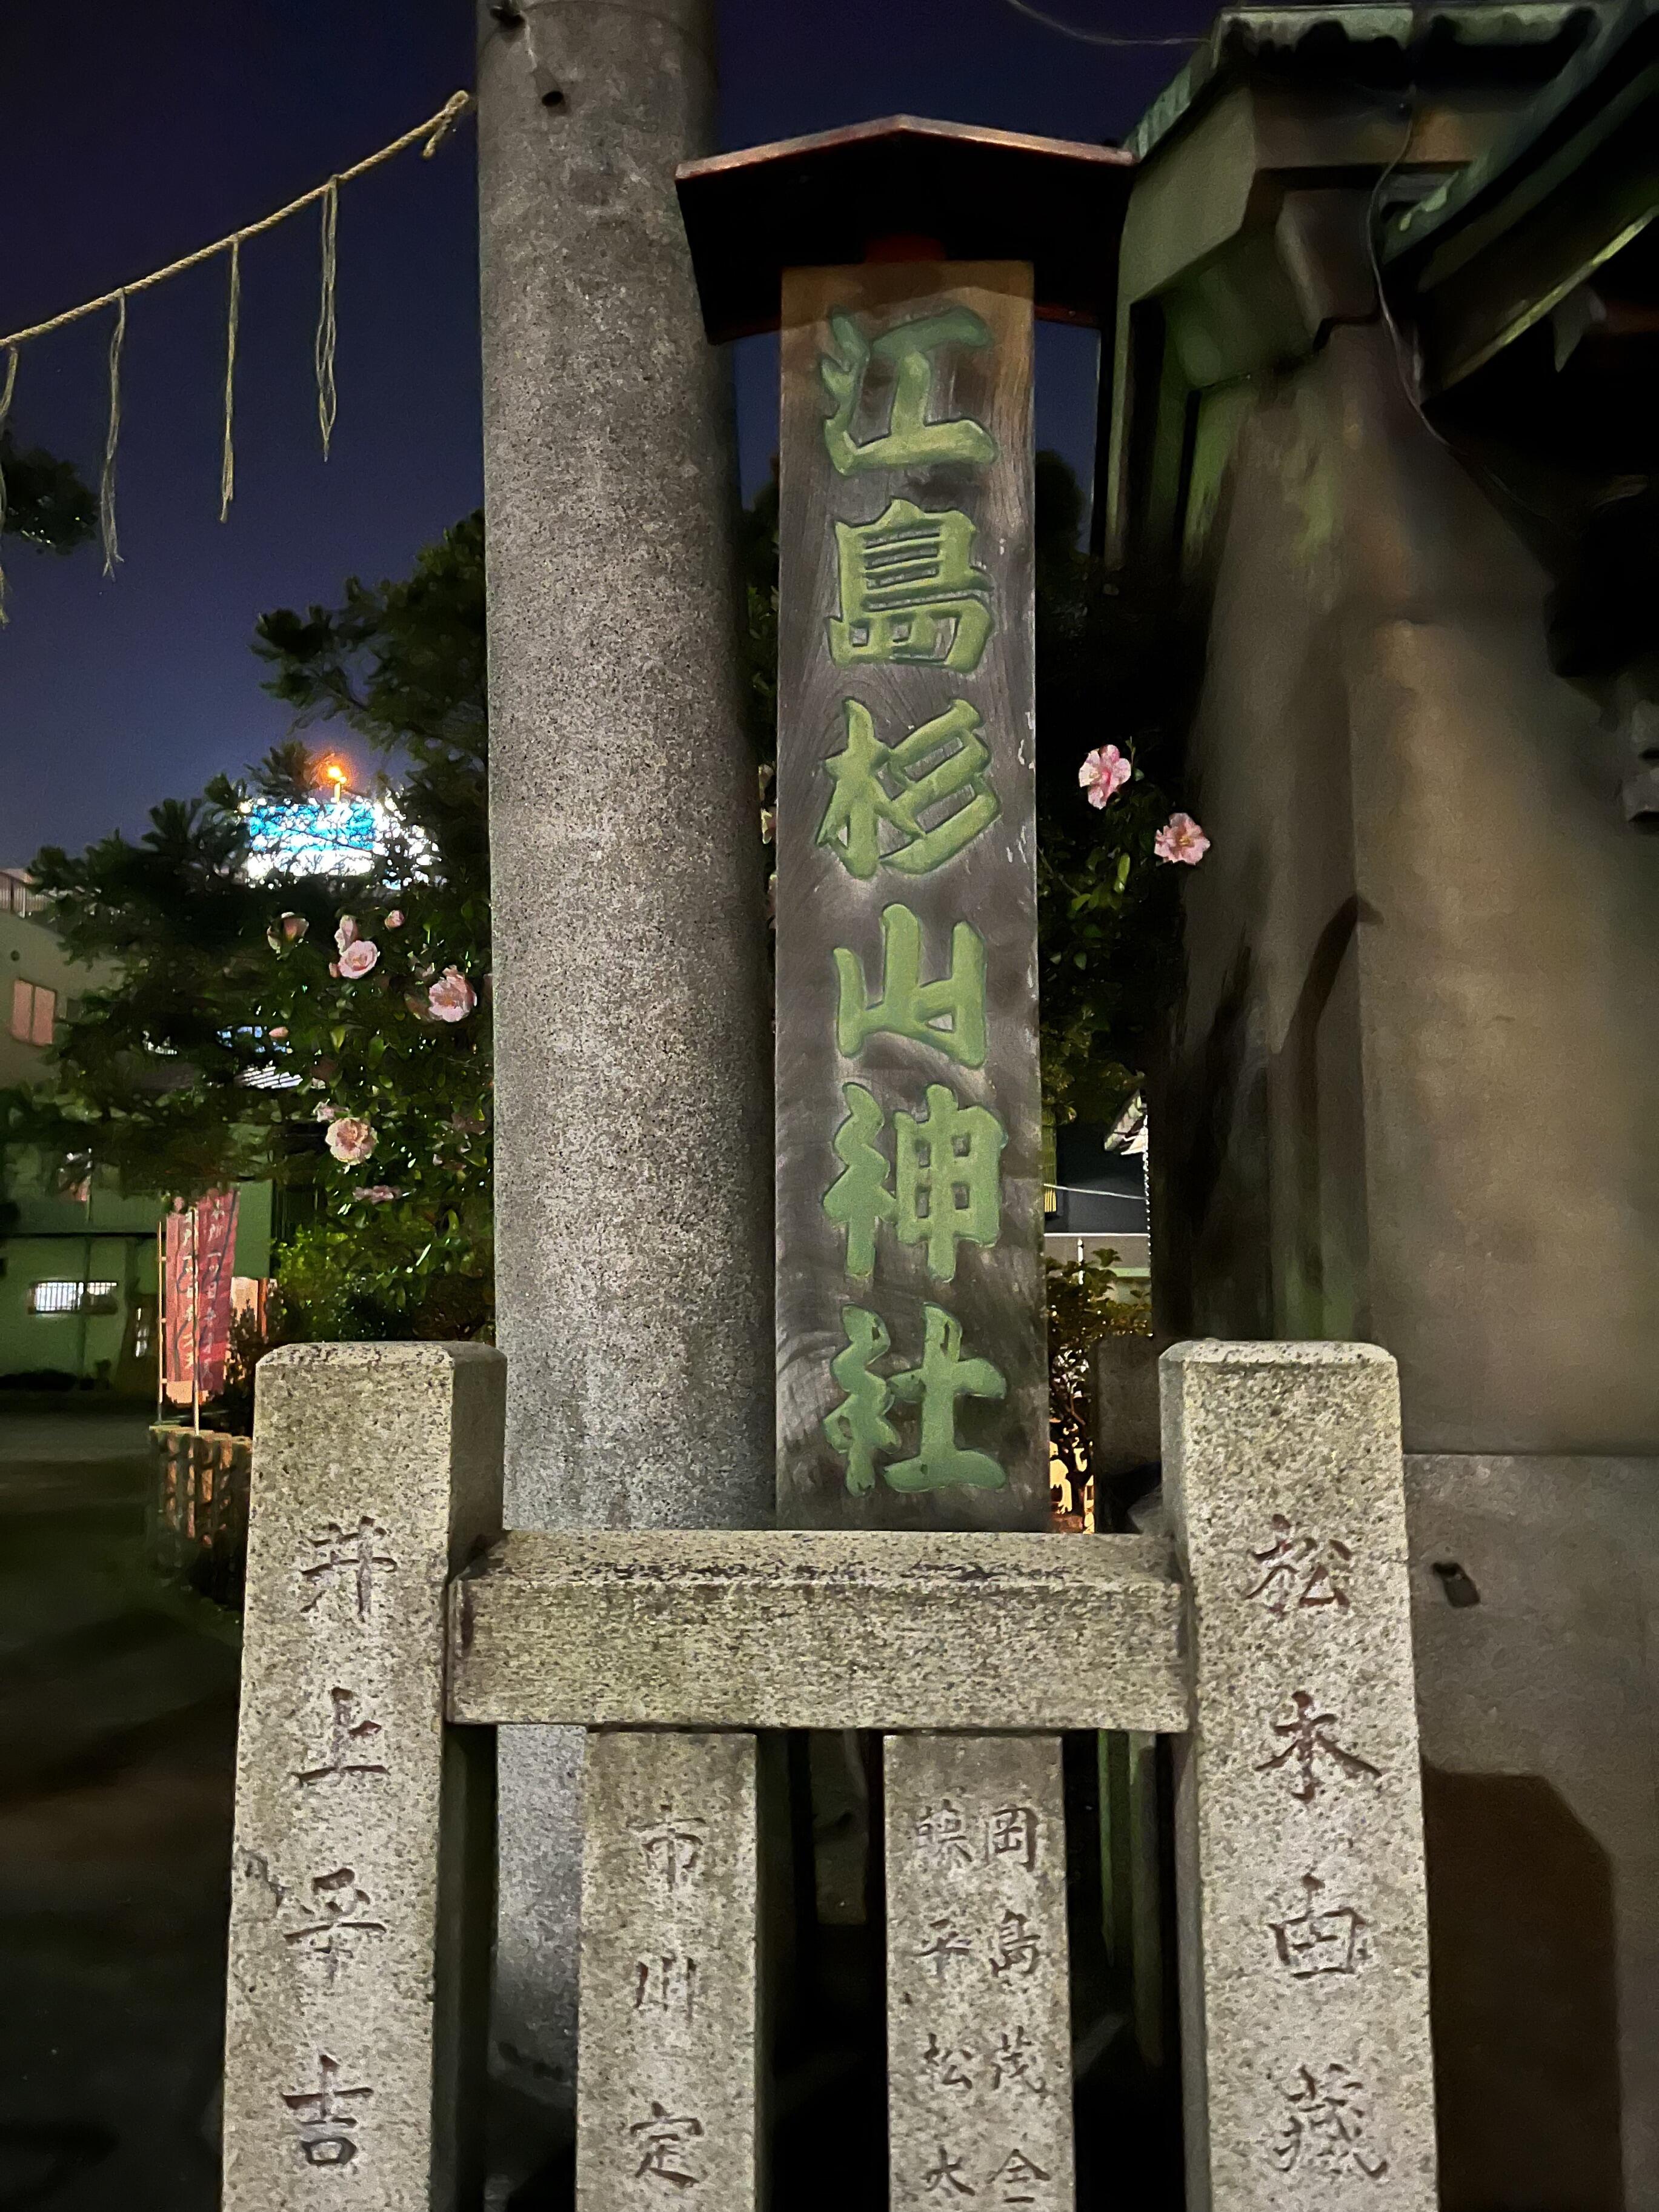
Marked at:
<point>117,1725</point>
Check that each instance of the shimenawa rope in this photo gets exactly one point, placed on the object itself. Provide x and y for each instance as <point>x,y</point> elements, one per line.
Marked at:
<point>433,131</point>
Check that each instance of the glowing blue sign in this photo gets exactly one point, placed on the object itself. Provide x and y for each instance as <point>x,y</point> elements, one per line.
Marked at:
<point>329,838</point>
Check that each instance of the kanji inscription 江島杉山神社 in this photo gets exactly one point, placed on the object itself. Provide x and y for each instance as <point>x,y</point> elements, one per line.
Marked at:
<point>912,1375</point>
<point>947,1185</point>
<point>913,439</point>
<point>874,815</point>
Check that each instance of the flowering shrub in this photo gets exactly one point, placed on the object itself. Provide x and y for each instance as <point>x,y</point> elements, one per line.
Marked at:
<point>452,997</point>
<point>1181,839</point>
<point>405,1062</point>
<point>350,1140</point>
<point>357,958</point>
<point>330,1034</point>
<point>1103,771</point>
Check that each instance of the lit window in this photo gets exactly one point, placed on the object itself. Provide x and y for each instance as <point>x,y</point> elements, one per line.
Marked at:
<point>33,1012</point>
<point>66,1298</point>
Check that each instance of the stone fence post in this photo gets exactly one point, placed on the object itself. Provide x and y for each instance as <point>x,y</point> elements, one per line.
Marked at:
<point>361,1897</point>
<point>1304,1935</point>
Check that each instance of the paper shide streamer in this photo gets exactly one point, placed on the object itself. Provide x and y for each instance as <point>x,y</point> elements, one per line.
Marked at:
<point>7,388</point>
<point>112,438</point>
<point>232,317</point>
<point>323,351</point>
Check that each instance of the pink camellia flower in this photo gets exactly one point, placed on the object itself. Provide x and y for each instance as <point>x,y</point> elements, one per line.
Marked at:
<point>350,1140</point>
<point>395,919</point>
<point>294,927</point>
<point>1181,839</point>
<point>1103,771</point>
<point>452,997</point>
<point>347,933</point>
<point>325,1112</point>
<point>377,1194</point>
<point>333,966</point>
<point>359,956</point>
<point>279,1035</point>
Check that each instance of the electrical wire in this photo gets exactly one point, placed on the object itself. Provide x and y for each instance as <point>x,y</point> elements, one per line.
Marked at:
<point>1098,38</point>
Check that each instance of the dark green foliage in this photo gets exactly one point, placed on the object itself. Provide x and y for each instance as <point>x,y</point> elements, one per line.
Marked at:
<point>47,505</point>
<point>757,559</point>
<point>1084,1306</point>
<point>403,665</point>
<point>150,1074</point>
<point>1115,665</point>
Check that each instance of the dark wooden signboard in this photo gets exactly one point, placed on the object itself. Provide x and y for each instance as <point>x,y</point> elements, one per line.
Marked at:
<point>912,1371</point>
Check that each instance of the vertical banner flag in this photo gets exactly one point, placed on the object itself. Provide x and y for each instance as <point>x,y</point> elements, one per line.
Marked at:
<point>912,1368</point>
<point>197,1295</point>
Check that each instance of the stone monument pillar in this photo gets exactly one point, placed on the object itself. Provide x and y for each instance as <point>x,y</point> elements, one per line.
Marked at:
<point>633,1201</point>
<point>1304,1968</point>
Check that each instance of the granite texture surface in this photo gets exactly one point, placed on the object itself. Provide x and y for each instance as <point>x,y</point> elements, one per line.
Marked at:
<point>355,2026</point>
<point>794,1628</point>
<point>1303,1939</point>
<point>630,997</point>
<point>668,2051</point>
<point>978,2002</point>
<point>1123,1383</point>
<point>631,1003</point>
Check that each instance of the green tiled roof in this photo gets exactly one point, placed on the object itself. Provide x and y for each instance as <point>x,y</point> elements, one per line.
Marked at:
<point>1566,106</point>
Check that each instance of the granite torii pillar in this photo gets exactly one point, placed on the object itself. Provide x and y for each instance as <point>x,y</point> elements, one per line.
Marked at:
<point>633,1205</point>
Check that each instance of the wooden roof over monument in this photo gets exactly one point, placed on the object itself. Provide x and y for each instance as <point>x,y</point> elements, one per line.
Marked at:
<point>904,188</point>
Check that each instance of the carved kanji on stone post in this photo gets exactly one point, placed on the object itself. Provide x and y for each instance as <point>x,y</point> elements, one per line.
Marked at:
<point>1304,1936</point>
<point>355,2026</point>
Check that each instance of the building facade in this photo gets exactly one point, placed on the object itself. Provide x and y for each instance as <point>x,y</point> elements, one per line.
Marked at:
<point>78,1280</point>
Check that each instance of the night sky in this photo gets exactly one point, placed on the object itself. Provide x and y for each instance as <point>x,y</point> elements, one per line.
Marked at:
<point>134,133</point>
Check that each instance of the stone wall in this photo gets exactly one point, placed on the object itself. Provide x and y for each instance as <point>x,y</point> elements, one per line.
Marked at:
<point>1416,1066</point>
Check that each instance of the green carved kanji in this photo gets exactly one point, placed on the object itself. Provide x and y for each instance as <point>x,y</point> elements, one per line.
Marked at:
<point>947,1175</point>
<point>880,787</point>
<point>910,591</point>
<point>940,1462</point>
<point>858,1428</point>
<point>859,1199</point>
<point>907,349</point>
<point>948,1013</point>
<point>946,1179</point>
